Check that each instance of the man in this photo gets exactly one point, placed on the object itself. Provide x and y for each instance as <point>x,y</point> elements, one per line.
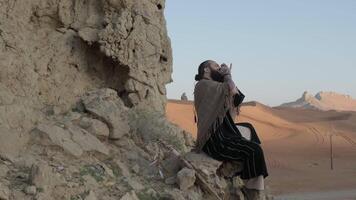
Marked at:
<point>216,99</point>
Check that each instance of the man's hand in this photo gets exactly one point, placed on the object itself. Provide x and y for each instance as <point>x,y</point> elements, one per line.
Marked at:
<point>225,70</point>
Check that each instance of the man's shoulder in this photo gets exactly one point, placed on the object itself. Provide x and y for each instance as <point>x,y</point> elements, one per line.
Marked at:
<point>209,82</point>
<point>210,85</point>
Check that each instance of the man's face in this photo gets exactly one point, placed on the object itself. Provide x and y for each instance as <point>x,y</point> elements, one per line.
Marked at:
<point>214,72</point>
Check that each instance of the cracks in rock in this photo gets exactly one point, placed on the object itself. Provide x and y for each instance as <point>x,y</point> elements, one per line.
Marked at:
<point>41,13</point>
<point>63,30</point>
<point>7,46</point>
<point>147,93</point>
<point>142,82</point>
<point>6,43</point>
<point>73,29</point>
<point>10,7</point>
<point>129,33</point>
<point>93,115</point>
<point>111,72</point>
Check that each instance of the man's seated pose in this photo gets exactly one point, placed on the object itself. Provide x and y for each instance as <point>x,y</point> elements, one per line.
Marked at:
<point>216,101</point>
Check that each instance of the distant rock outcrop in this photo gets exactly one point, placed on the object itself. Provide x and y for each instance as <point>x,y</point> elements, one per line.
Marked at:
<point>184,97</point>
<point>324,101</point>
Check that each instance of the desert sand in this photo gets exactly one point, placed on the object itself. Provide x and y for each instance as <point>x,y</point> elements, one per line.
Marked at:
<point>296,143</point>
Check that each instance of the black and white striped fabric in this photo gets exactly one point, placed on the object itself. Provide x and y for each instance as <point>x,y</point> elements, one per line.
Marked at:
<point>227,144</point>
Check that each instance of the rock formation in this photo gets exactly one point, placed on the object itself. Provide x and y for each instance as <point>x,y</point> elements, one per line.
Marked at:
<point>184,97</point>
<point>324,101</point>
<point>52,52</point>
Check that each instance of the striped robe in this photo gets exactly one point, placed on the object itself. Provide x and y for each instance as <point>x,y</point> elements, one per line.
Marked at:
<point>227,144</point>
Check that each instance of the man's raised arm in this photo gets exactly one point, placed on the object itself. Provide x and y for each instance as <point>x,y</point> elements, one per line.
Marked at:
<point>232,86</point>
<point>226,72</point>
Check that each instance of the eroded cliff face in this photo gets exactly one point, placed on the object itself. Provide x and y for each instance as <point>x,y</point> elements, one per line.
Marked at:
<point>53,51</point>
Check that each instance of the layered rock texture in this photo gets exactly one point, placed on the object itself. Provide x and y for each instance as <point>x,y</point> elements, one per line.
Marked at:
<point>324,101</point>
<point>53,51</point>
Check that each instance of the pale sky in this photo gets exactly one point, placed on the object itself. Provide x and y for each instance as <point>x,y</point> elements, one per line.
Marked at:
<point>279,48</point>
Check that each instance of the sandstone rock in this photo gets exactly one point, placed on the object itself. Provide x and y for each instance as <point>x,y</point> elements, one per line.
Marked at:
<point>11,143</point>
<point>41,176</point>
<point>91,196</point>
<point>107,106</point>
<point>26,160</point>
<point>136,168</point>
<point>59,137</point>
<point>70,117</point>
<point>213,172</point>
<point>123,168</point>
<point>171,165</point>
<point>72,185</point>
<point>233,191</point>
<point>4,192</point>
<point>170,180</point>
<point>65,12</point>
<point>31,190</point>
<point>173,194</point>
<point>206,164</point>
<point>219,182</point>
<point>108,170</point>
<point>15,194</point>
<point>85,122</point>
<point>189,140</point>
<point>94,126</point>
<point>194,193</point>
<point>90,182</point>
<point>152,193</point>
<point>61,49</point>
<point>130,196</point>
<point>238,182</point>
<point>6,96</point>
<point>324,101</point>
<point>88,34</point>
<point>229,169</point>
<point>134,184</point>
<point>186,178</point>
<point>87,141</point>
<point>74,140</point>
<point>3,170</point>
<point>18,117</point>
<point>43,196</point>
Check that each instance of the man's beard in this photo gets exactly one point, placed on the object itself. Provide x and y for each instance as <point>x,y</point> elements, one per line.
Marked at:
<point>216,76</point>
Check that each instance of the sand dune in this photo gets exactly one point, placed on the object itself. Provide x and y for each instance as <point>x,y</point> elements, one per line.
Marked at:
<point>296,143</point>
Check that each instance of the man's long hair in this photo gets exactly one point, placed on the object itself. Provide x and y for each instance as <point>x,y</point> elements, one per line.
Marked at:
<point>201,68</point>
<point>198,77</point>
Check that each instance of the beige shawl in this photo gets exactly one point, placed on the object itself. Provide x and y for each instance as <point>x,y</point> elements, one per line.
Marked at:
<point>212,100</point>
